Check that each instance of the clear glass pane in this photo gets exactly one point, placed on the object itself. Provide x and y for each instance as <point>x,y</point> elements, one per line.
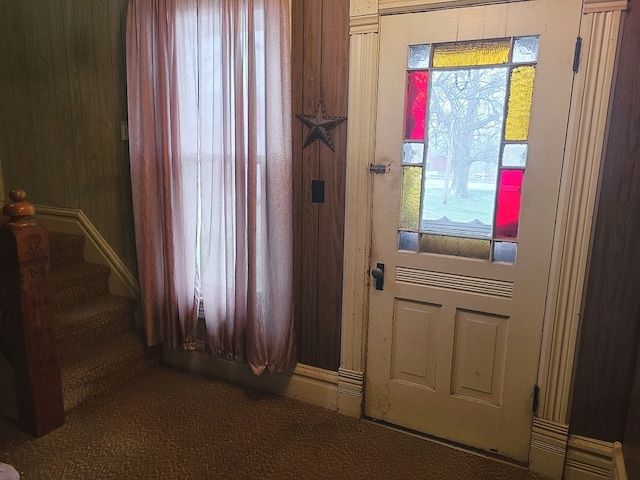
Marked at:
<point>508,208</point>
<point>505,252</point>
<point>413,153</point>
<point>410,206</point>
<point>514,155</point>
<point>419,56</point>
<point>525,49</point>
<point>519,107</point>
<point>408,241</point>
<point>456,246</point>
<point>415,113</point>
<point>466,54</point>
<point>465,129</point>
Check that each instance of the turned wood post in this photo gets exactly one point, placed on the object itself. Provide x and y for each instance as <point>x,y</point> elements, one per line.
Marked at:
<point>25,318</point>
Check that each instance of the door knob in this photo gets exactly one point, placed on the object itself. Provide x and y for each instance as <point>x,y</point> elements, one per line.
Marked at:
<point>378,274</point>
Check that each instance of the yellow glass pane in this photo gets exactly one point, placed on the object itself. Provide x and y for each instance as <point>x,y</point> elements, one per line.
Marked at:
<point>468,54</point>
<point>519,106</point>
<point>456,246</point>
<point>410,207</point>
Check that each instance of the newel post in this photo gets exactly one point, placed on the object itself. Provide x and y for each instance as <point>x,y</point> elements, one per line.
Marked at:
<point>26,338</point>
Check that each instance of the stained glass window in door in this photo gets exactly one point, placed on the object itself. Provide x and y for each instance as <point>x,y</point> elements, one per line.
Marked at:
<point>514,155</point>
<point>410,210</point>
<point>469,54</point>
<point>419,56</point>
<point>520,97</point>
<point>465,146</point>
<point>525,49</point>
<point>416,105</point>
<point>508,204</point>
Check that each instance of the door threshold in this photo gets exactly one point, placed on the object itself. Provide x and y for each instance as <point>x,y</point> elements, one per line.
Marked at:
<point>448,443</point>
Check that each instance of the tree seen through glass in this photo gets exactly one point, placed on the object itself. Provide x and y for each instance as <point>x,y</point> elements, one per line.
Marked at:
<point>466,111</point>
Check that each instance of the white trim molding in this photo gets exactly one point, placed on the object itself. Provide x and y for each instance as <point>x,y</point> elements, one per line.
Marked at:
<point>408,6</point>
<point>363,74</point>
<point>548,447</point>
<point>588,459</point>
<point>96,249</point>
<point>578,195</point>
<point>359,8</point>
<point>364,24</point>
<point>595,6</point>
<point>589,117</point>
<point>350,392</point>
<point>306,383</point>
<point>618,468</point>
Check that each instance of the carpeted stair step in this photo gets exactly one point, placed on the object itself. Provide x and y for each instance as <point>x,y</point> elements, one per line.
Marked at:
<point>109,364</point>
<point>97,348</point>
<point>82,327</point>
<point>65,249</point>
<point>76,283</point>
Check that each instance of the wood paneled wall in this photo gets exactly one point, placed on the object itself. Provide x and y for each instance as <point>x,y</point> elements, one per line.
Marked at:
<point>62,98</point>
<point>611,315</point>
<point>320,32</point>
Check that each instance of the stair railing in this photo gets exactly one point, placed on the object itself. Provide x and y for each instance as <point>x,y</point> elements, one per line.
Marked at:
<point>26,338</point>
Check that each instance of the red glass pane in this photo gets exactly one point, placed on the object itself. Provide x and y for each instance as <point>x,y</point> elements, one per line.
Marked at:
<point>508,208</point>
<point>415,112</point>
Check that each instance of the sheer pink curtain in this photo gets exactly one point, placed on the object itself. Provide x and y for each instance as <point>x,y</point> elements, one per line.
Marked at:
<point>209,128</point>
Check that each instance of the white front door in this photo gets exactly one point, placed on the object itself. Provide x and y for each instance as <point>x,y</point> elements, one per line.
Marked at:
<point>464,216</point>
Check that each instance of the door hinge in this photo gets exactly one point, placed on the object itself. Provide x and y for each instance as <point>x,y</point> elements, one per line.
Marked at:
<point>536,398</point>
<point>379,169</point>
<point>576,55</point>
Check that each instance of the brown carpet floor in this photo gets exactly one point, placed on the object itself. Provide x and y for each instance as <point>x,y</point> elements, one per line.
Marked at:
<point>166,424</point>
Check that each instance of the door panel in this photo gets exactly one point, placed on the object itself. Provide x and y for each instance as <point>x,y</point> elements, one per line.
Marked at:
<point>415,343</point>
<point>454,339</point>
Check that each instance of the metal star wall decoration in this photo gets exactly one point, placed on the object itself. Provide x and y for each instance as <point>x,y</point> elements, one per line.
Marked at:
<point>319,126</point>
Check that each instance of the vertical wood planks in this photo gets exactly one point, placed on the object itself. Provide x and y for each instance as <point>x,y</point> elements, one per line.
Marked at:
<point>311,77</point>
<point>297,59</point>
<point>61,114</point>
<point>333,170</point>
<point>320,64</point>
<point>63,97</point>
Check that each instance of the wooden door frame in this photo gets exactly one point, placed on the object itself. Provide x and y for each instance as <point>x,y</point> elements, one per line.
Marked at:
<point>578,191</point>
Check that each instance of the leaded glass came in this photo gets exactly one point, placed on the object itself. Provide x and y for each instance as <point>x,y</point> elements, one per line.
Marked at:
<point>466,127</point>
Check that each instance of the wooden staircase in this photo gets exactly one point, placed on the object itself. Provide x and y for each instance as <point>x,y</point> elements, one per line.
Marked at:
<point>67,339</point>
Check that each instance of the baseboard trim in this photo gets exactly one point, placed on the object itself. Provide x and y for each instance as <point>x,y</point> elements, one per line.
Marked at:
<point>97,249</point>
<point>350,388</point>
<point>588,459</point>
<point>618,469</point>
<point>548,447</point>
<point>306,383</point>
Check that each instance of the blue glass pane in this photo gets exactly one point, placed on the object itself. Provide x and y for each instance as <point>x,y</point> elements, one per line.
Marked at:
<point>525,49</point>
<point>408,241</point>
<point>505,252</point>
<point>419,56</point>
